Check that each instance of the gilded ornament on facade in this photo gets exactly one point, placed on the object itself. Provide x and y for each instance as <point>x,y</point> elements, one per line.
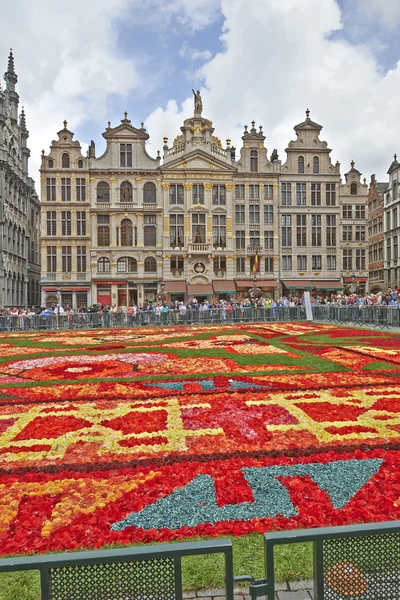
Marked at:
<point>139,179</point>
<point>229,186</point>
<point>188,185</point>
<point>246,145</point>
<point>112,180</point>
<point>261,145</point>
<point>208,185</point>
<point>165,186</point>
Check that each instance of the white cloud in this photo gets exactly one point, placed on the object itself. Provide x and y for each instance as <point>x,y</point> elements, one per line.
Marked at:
<point>192,54</point>
<point>66,61</point>
<point>194,14</point>
<point>278,60</point>
<point>387,12</point>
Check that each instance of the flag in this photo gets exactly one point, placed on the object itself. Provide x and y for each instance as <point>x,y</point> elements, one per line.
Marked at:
<point>255,264</point>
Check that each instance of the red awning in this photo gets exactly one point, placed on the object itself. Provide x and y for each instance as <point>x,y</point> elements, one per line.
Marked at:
<point>224,285</point>
<point>200,289</point>
<point>175,287</point>
<point>356,280</point>
<point>298,284</point>
<point>333,284</point>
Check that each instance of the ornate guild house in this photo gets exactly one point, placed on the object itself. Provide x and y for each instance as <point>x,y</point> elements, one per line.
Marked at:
<point>124,227</point>
<point>19,204</point>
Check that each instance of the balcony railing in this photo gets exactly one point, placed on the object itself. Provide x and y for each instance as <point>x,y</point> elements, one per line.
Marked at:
<point>126,205</point>
<point>204,248</point>
<point>254,200</point>
<point>82,276</point>
<point>253,250</point>
<point>51,276</point>
<point>150,206</point>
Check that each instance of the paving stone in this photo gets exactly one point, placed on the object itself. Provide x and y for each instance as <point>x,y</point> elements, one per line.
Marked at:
<point>281,587</point>
<point>304,584</point>
<point>214,592</point>
<point>189,595</point>
<point>296,595</point>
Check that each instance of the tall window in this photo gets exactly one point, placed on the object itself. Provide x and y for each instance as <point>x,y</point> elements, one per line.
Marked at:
<point>360,211</point>
<point>150,265</point>
<point>268,213</point>
<point>80,222</point>
<point>347,259</point>
<point>176,230</point>
<point>150,230</point>
<point>395,247</point>
<point>65,189</point>
<point>353,189</point>
<point>80,189</point>
<point>330,190</point>
<point>254,239</point>
<point>51,222</point>
<point>268,191</point>
<point>103,230</point>
<point>218,195</point>
<point>240,240</point>
<point>103,192</point>
<point>347,211</point>
<point>176,193</point>
<point>103,265</point>
<point>286,230</point>
<point>125,192</point>
<point>389,249</point>
<point>316,230</point>
<point>80,164</point>
<point>219,263</point>
<point>125,155</point>
<point>316,262</point>
<point>51,259</point>
<point>254,213</point>
<point>126,264</point>
<point>347,231</point>
<point>199,228</point>
<point>394,190</point>
<point>149,193</point>
<point>315,164</point>
<point>300,164</point>
<point>254,161</point>
<point>81,259</point>
<point>360,233</point>
<point>301,262</point>
<point>269,264</point>
<point>331,262</point>
<point>50,163</point>
<point>360,259</point>
<point>126,232</point>
<point>176,263</point>
<point>240,214</point>
<point>66,256</point>
<point>65,160</point>
<point>300,194</point>
<point>286,262</point>
<point>331,230</point>
<point>286,194</point>
<point>239,191</point>
<point>315,194</point>
<point>268,240</point>
<point>240,264</point>
<point>198,193</point>
<point>219,231</point>
<point>301,230</point>
<point>254,191</point>
<point>395,218</point>
<point>51,189</point>
<point>66,222</point>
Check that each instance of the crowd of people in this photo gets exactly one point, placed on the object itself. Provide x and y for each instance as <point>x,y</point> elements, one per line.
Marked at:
<point>161,311</point>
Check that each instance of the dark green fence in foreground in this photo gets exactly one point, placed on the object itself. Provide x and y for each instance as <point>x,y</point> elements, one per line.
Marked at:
<point>360,561</point>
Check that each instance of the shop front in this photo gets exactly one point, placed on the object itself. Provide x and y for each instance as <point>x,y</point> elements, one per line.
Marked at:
<point>200,291</point>
<point>296,287</point>
<point>270,288</point>
<point>355,284</point>
<point>67,297</point>
<point>224,289</point>
<point>175,290</point>
<point>326,287</point>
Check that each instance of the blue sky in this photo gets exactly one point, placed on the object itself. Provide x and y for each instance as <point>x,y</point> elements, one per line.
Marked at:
<point>89,62</point>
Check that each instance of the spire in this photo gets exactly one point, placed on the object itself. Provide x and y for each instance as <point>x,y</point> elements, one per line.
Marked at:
<point>352,164</point>
<point>22,120</point>
<point>10,75</point>
<point>307,113</point>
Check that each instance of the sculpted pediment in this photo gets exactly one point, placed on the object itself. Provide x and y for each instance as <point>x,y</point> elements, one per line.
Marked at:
<point>198,161</point>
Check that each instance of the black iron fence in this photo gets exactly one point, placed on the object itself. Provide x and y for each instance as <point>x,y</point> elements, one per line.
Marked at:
<point>375,316</point>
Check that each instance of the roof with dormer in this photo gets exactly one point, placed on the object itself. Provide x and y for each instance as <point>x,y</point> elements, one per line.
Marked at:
<point>253,134</point>
<point>125,129</point>
<point>308,123</point>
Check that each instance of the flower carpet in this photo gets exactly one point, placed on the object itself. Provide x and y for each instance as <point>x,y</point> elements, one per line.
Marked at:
<point>154,434</point>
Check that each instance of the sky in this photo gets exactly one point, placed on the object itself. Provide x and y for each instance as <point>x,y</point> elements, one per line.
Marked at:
<point>267,60</point>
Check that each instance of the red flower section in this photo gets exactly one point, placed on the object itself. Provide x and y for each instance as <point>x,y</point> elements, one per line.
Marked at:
<point>350,429</point>
<point>51,427</point>
<point>139,422</point>
<point>325,411</point>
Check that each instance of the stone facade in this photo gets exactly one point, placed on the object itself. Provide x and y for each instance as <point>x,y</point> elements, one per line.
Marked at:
<point>19,204</point>
<point>391,225</point>
<point>376,236</point>
<point>125,227</point>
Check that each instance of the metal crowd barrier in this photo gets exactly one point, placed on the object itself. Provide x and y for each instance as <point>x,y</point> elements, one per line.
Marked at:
<point>356,561</point>
<point>375,316</point>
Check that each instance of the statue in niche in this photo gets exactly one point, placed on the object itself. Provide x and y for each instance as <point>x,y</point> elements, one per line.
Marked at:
<point>198,103</point>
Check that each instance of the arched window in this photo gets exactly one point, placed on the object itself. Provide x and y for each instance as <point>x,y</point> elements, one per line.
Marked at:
<point>121,265</point>
<point>126,232</point>
<point>103,192</point>
<point>65,160</point>
<point>149,193</point>
<point>125,192</point>
<point>353,189</point>
<point>132,265</point>
<point>80,164</point>
<point>395,189</point>
<point>254,161</point>
<point>300,164</point>
<point>315,164</point>
<point>150,265</point>
<point>103,265</point>
<point>50,163</point>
